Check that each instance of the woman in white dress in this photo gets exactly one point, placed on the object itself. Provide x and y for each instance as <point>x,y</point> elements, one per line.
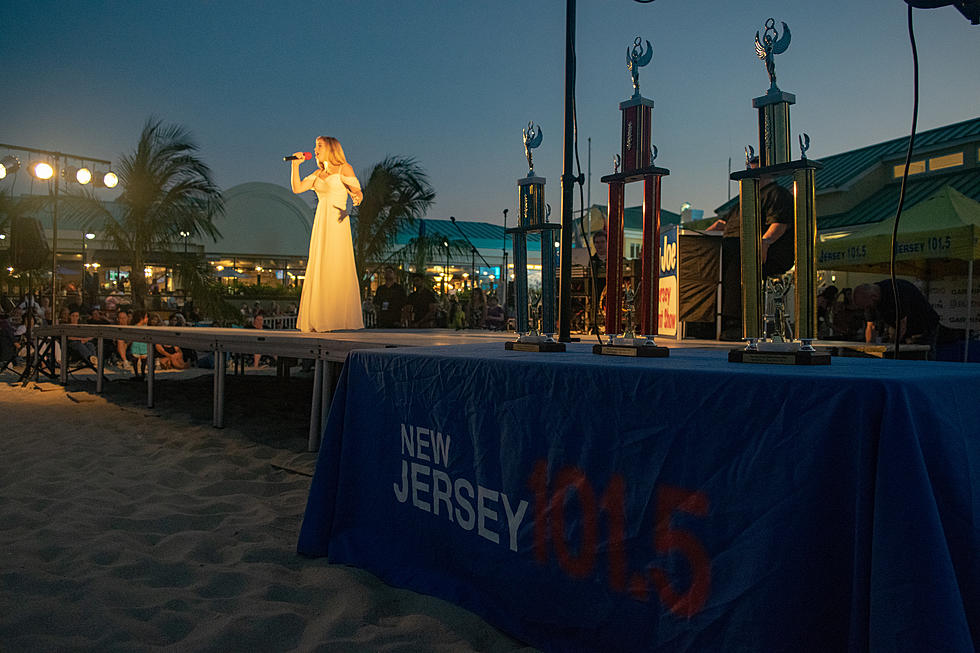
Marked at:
<point>331,298</point>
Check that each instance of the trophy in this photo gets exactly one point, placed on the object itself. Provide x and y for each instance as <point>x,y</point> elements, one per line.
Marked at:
<point>774,160</point>
<point>532,218</point>
<point>637,160</point>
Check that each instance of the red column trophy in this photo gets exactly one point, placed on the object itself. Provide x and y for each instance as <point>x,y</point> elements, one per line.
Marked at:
<point>531,218</point>
<point>637,158</point>
<point>753,186</point>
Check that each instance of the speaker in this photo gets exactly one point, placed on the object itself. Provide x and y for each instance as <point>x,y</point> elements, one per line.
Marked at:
<point>28,248</point>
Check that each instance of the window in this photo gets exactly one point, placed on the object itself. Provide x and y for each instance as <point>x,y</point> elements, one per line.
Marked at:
<point>635,250</point>
<point>947,161</point>
<point>915,168</point>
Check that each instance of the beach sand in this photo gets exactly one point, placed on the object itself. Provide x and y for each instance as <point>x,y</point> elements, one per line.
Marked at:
<point>124,528</point>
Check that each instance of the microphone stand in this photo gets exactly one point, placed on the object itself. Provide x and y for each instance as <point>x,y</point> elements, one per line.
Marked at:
<point>473,251</point>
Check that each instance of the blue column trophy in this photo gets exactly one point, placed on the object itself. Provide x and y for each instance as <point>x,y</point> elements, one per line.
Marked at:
<point>531,218</point>
<point>774,162</point>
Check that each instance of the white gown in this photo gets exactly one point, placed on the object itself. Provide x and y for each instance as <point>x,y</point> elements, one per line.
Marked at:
<point>331,298</point>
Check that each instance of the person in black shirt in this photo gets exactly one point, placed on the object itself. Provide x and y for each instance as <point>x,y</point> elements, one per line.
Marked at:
<point>776,204</point>
<point>424,304</point>
<point>917,323</point>
<point>389,300</point>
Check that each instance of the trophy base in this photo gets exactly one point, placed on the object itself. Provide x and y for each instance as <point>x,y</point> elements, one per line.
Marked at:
<point>534,346</point>
<point>635,351</point>
<point>796,357</point>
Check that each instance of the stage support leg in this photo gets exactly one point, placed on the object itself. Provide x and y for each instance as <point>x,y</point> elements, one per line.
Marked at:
<point>151,360</point>
<point>100,368</point>
<point>63,376</point>
<point>316,403</point>
<point>220,360</point>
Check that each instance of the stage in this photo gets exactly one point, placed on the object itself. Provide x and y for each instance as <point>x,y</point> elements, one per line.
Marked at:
<point>582,502</point>
<point>329,351</point>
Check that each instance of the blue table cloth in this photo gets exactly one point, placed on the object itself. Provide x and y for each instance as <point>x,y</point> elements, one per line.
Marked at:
<point>582,502</point>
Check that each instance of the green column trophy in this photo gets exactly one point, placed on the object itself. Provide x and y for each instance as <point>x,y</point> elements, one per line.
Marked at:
<point>532,218</point>
<point>774,161</point>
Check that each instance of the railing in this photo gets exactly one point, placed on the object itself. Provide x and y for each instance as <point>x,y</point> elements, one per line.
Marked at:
<point>279,322</point>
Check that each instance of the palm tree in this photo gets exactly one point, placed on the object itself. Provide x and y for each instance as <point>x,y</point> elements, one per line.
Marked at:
<point>397,194</point>
<point>167,189</point>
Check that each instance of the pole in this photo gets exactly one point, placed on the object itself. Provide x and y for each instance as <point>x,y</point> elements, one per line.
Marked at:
<point>567,181</point>
<point>969,311</point>
<point>503,270</point>
<point>588,192</point>
<point>54,244</point>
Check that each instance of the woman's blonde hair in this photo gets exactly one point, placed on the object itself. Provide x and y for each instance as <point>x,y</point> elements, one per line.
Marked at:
<point>335,153</point>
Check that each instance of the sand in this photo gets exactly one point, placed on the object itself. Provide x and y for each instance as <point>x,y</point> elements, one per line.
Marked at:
<point>124,528</point>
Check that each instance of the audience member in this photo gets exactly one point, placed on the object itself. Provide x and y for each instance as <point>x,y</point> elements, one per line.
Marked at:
<point>83,347</point>
<point>424,304</point>
<point>477,312</point>
<point>97,317</point>
<point>139,350</point>
<point>389,300</point>
<point>496,320</point>
<point>123,318</point>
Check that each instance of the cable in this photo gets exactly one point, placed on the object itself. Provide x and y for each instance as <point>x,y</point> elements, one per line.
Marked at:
<point>580,180</point>
<point>905,177</point>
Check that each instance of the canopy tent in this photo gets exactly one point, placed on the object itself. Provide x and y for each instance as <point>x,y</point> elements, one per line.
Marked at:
<point>933,234</point>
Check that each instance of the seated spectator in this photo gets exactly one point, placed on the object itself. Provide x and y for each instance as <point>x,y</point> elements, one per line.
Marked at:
<point>84,348</point>
<point>258,322</point>
<point>123,318</point>
<point>8,346</point>
<point>496,321</point>
<point>139,350</point>
<point>97,317</point>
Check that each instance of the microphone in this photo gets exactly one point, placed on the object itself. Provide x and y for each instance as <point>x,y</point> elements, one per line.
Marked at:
<point>306,157</point>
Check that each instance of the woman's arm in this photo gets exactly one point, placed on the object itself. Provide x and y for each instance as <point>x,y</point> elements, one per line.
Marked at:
<point>298,185</point>
<point>349,180</point>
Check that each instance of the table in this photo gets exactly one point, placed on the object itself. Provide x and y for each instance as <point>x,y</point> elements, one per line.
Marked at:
<point>582,502</point>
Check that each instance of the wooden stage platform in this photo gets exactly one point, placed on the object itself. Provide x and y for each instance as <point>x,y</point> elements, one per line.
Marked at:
<point>327,350</point>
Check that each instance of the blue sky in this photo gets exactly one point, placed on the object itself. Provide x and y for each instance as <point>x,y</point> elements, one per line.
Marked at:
<point>452,83</point>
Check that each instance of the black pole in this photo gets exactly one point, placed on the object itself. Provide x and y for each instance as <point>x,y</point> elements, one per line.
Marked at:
<point>567,182</point>
<point>503,268</point>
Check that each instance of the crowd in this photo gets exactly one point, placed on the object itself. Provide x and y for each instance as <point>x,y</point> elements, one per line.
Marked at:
<point>17,317</point>
<point>391,307</point>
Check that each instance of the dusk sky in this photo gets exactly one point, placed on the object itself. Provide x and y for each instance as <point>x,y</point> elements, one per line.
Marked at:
<point>453,83</point>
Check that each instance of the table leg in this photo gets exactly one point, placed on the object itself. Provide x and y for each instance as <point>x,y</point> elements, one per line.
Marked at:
<point>316,406</point>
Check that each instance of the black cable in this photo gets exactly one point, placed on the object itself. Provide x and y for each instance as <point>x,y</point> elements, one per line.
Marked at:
<point>905,177</point>
<point>580,179</point>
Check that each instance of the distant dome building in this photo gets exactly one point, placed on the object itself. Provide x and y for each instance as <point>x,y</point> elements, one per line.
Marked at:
<point>265,232</point>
